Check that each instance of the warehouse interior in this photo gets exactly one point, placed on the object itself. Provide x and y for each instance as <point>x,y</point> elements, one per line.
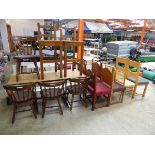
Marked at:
<point>77,80</point>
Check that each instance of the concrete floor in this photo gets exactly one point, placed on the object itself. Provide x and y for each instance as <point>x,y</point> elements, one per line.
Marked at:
<point>135,116</point>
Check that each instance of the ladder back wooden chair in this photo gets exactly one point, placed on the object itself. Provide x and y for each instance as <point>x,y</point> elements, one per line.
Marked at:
<point>75,60</point>
<point>45,59</point>
<point>25,51</point>
<point>117,86</point>
<point>122,67</point>
<point>70,35</point>
<point>48,32</point>
<point>136,79</point>
<point>21,95</point>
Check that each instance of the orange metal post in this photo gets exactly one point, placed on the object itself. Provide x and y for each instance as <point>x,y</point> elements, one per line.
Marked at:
<point>80,36</point>
<point>142,34</point>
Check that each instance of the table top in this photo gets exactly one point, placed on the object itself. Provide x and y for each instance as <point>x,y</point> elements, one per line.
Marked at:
<point>48,75</point>
<point>26,57</point>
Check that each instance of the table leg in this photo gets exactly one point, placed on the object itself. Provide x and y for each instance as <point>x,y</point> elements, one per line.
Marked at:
<point>17,70</point>
<point>61,62</point>
<point>36,67</point>
<point>65,62</point>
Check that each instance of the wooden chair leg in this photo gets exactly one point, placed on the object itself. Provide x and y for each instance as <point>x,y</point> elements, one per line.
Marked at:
<point>134,91</point>
<point>37,70</point>
<point>144,92</point>
<point>93,103</point>
<point>122,96</point>
<point>73,65</point>
<point>43,107</point>
<point>71,104</point>
<point>14,113</point>
<point>55,67</point>
<point>109,100</point>
<point>32,108</point>
<point>84,100</point>
<point>60,106</point>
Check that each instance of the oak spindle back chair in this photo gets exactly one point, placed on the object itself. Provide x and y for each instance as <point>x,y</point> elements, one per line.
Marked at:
<point>75,88</point>
<point>51,90</point>
<point>21,95</point>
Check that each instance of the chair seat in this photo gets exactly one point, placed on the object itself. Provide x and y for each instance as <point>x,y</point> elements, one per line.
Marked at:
<point>127,82</point>
<point>118,87</point>
<point>140,80</point>
<point>101,89</point>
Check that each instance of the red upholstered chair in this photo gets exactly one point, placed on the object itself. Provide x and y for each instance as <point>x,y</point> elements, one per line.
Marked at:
<point>102,87</point>
<point>97,69</point>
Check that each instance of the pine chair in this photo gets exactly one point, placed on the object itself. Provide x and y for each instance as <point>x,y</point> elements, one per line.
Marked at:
<point>136,79</point>
<point>117,87</point>
<point>21,95</point>
<point>70,35</point>
<point>122,67</point>
<point>51,90</point>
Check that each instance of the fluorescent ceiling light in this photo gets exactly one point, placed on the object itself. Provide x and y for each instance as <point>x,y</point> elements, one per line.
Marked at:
<point>152,30</point>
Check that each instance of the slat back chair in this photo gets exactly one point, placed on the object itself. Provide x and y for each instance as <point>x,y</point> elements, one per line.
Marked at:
<point>21,95</point>
<point>46,36</point>
<point>71,50</point>
<point>75,88</point>
<point>29,45</point>
<point>117,87</point>
<point>17,45</point>
<point>51,90</point>
<point>52,37</point>
<point>122,65</point>
<point>51,59</point>
<point>75,60</point>
<point>24,45</point>
<point>97,68</point>
<point>134,77</point>
<point>71,36</point>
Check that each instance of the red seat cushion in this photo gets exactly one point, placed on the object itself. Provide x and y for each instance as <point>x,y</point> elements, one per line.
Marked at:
<point>101,89</point>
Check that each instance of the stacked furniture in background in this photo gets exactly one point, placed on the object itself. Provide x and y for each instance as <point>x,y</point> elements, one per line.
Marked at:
<point>3,61</point>
<point>120,48</point>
